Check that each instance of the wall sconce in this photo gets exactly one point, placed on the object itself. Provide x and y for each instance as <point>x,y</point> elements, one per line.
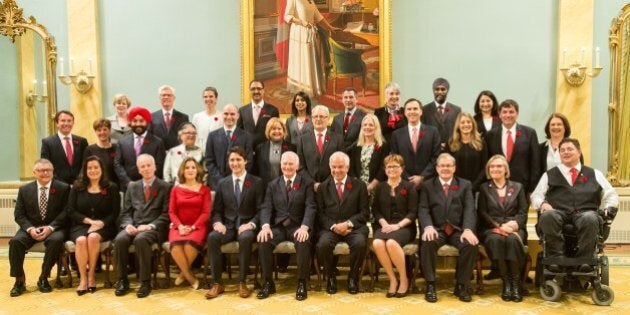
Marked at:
<point>81,80</point>
<point>575,74</point>
<point>32,97</point>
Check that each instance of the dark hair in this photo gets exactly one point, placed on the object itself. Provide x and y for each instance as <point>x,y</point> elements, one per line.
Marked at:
<point>100,123</point>
<point>350,88</point>
<point>63,111</point>
<point>509,103</point>
<point>495,103</point>
<point>82,182</point>
<point>212,89</point>
<point>238,150</point>
<point>306,98</point>
<point>412,100</point>
<point>574,141</point>
<point>182,168</point>
<point>259,81</point>
<point>565,122</point>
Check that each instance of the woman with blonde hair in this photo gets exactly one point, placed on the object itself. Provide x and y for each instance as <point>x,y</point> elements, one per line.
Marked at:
<point>119,123</point>
<point>366,158</point>
<point>468,149</point>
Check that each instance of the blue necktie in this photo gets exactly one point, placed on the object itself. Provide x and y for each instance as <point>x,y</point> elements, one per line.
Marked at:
<point>237,191</point>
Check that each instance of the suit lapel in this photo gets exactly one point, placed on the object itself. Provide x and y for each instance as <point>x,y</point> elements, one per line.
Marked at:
<point>494,195</point>
<point>510,194</point>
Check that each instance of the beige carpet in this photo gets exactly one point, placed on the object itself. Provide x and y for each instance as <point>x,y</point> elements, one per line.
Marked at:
<point>182,300</point>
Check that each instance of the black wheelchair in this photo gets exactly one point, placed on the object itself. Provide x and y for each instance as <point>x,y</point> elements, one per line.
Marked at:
<point>569,277</point>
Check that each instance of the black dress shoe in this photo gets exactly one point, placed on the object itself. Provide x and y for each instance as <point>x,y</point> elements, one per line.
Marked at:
<point>353,288</point>
<point>301,293</point>
<point>63,271</point>
<point>390,295</point>
<point>43,285</point>
<point>585,268</point>
<point>91,289</point>
<point>267,288</point>
<point>81,292</point>
<point>493,274</point>
<point>122,287</point>
<point>401,294</point>
<point>331,286</point>
<point>145,290</point>
<point>430,295</point>
<point>18,289</point>
<point>461,291</point>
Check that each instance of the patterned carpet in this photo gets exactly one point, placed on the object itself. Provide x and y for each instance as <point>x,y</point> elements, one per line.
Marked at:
<point>183,300</point>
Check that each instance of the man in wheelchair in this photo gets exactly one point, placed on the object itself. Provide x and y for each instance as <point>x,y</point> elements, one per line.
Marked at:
<point>577,195</point>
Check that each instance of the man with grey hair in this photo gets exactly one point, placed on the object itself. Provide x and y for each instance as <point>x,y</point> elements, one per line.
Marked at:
<point>447,216</point>
<point>315,147</point>
<point>39,211</point>
<point>287,214</point>
<point>342,206</point>
<point>440,113</point>
<point>221,140</point>
<point>166,122</point>
<point>143,222</point>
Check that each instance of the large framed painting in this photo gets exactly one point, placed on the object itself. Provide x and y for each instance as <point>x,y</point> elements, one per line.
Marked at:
<point>319,47</point>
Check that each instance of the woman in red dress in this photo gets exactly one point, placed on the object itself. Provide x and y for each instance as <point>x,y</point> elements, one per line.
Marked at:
<point>189,210</point>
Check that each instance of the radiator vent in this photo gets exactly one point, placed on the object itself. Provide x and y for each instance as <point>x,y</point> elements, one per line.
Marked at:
<point>8,227</point>
<point>620,231</point>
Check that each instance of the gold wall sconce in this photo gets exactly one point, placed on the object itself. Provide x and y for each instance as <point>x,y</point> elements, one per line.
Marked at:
<point>82,80</point>
<point>575,73</point>
<point>32,97</point>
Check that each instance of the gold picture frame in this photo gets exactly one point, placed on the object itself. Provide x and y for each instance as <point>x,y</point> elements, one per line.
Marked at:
<point>248,46</point>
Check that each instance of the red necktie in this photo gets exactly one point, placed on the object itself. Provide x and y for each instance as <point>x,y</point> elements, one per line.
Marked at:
<point>339,190</point>
<point>448,229</point>
<point>509,146</point>
<point>414,138</point>
<point>574,175</point>
<point>69,154</point>
<point>446,188</point>
<point>320,143</point>
<point>167,119</point>
<point>147,192</point>
<point>288,188</point>
<point>346,122</point>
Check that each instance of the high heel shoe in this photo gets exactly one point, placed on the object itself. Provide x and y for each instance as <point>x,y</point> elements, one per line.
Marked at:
<point>179,280</point>
<point>81,292</point>
<point>390,295</point>
<point>195,285</point>
<point>91,289</point>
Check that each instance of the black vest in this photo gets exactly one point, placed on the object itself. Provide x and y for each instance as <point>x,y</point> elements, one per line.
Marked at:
<point>584,195</point>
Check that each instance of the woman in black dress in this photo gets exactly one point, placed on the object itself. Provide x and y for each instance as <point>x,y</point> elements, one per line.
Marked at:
<point>103,148</point>
<point>503,215</point>
<point>468,149</point>
<point>486,112</point>
<point>267,154</point>
<point>395,211</point>
<point>93,207</point>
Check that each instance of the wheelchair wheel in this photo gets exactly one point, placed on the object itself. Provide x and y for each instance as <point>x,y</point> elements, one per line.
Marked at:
<point>604,275</point>
<point>604,296</point>
<point>550,291</point>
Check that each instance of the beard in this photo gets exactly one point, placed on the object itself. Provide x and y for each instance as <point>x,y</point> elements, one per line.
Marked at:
<point>138,130</point>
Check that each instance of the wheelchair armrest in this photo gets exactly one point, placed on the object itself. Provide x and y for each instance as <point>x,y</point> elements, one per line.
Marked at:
<point>608,214</point>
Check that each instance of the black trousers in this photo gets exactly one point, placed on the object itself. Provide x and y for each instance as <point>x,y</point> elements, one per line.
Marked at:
<point>587,224</point>
<point>465,260</point>
<point>22,241</point>
<point>142,242</point>
<point>245,241</point>
<point>302,249</point>
<point>357,240</point>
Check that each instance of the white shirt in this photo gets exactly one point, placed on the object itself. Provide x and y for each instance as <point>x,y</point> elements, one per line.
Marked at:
<point>487,122</point>
<point>553,156</point>
<point>609,195</point>
<point>323,135</point>
<point>206,124</point>
<point>170,112</point>
<point>504,137</point>
<point>241,178</point>
<point>446,182</point>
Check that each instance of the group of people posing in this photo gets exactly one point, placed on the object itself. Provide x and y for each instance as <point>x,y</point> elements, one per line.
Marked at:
<point>456,178</point>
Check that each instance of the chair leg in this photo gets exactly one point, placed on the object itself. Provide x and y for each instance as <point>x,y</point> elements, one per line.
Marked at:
<point>256,270</point>
<point>373,273</point>
<point>478,265</point>
<point>275,266</point>
<point>318,287</point>
<point>63,261</point>
<point>107,254</point>
<point>154,266</point>
<point>166,264</point>
<point>228,262</point>
<point>526,268</point>
<point>412,275</point>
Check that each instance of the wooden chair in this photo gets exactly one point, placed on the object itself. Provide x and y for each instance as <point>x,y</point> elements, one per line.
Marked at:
<point>346,63</point>
<point>40,248</point>
<point>106,254</point>
<point>524,273</point>
<point>232,248</point>
<point>341,248</point>
<point>156,253</point>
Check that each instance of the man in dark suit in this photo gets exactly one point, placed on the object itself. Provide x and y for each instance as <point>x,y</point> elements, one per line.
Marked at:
<point>64,149</point>
<point>287,214</point>
<point>342,206</point>
<point>165,123</point>
<point>39,212</point>
<point>139,142</point>
<point>440,113</point>
<point>391,115</point>
<point>253,117</point>
<point>235,217</point>
<point>419,158</point>
<point>314,162</point>
<point>220,141</point>
<point>348,123</point>
<point>143,222</point>
<point>447,216</point>
<point>518,143</point>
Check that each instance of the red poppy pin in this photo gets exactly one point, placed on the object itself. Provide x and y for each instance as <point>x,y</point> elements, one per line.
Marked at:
<point>112,154</point>
<point>421,134</point>
<point>510,191</point>
<point>377,148</point>
<point>348,185</point>
<point>454,187</point>
<point>285,147</point>
<point>518,133</point>
<point>306,119</point>
<point>146,141</point>
<point>327,138</point>
<point>76,142</point>
<point>263,112</point>
<point>583,179</point>
<point>216,118</point>
<point>403,192</point>
<point>233,138</point>
<point>104,192</point>
<point>353,118</point>
<point>154,193</point>
<point>495,118</point>
<point>52,190</point>
<point>179,152</point>
<point>447,109</point>
<point>296,186</point>
<point>247,183</point>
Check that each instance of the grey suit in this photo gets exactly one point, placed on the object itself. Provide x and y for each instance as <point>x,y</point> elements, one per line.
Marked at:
<point>312,165</point>
<point>125,160</point>
<point>168,135</point>
<point>351,133</point>
<point>293,133</point>
<point>136,211</point>
<point>257,130</point>
<point>217,146</point>
<point>444,123</point>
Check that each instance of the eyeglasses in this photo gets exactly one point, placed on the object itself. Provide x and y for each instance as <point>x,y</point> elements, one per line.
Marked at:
<point>166,95</point>
<point>445,165</point>
<point>255,88</point>
<point>44,170</point>
<point>190,133</point>
<point>392,167</point>
<point>320,117</point>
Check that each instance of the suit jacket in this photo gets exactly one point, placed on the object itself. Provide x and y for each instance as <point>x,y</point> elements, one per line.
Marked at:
<point>375,166</point>
<point>217,146</point>
<point>262,167</point>
<point>136,211</point>
<point>353,205</point>
<point>493,213</point>
<point>383,120</point>
<point>312,165</point>
<point>125,160</point>
<point>354,126</point>
<point>293,133</point>
<point>406,200</point>
<point>525,162</point>
<point>496,123</point>
<point>27,212</point>
<point>444,124</point>
<point>52,149</point>
<point>159,129</point>
<point>246,121</point>
<point>227,211</point>
<point>421,162</point>
<point>458,208</point>
<point>300,205</point>
<point>107,208</point>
